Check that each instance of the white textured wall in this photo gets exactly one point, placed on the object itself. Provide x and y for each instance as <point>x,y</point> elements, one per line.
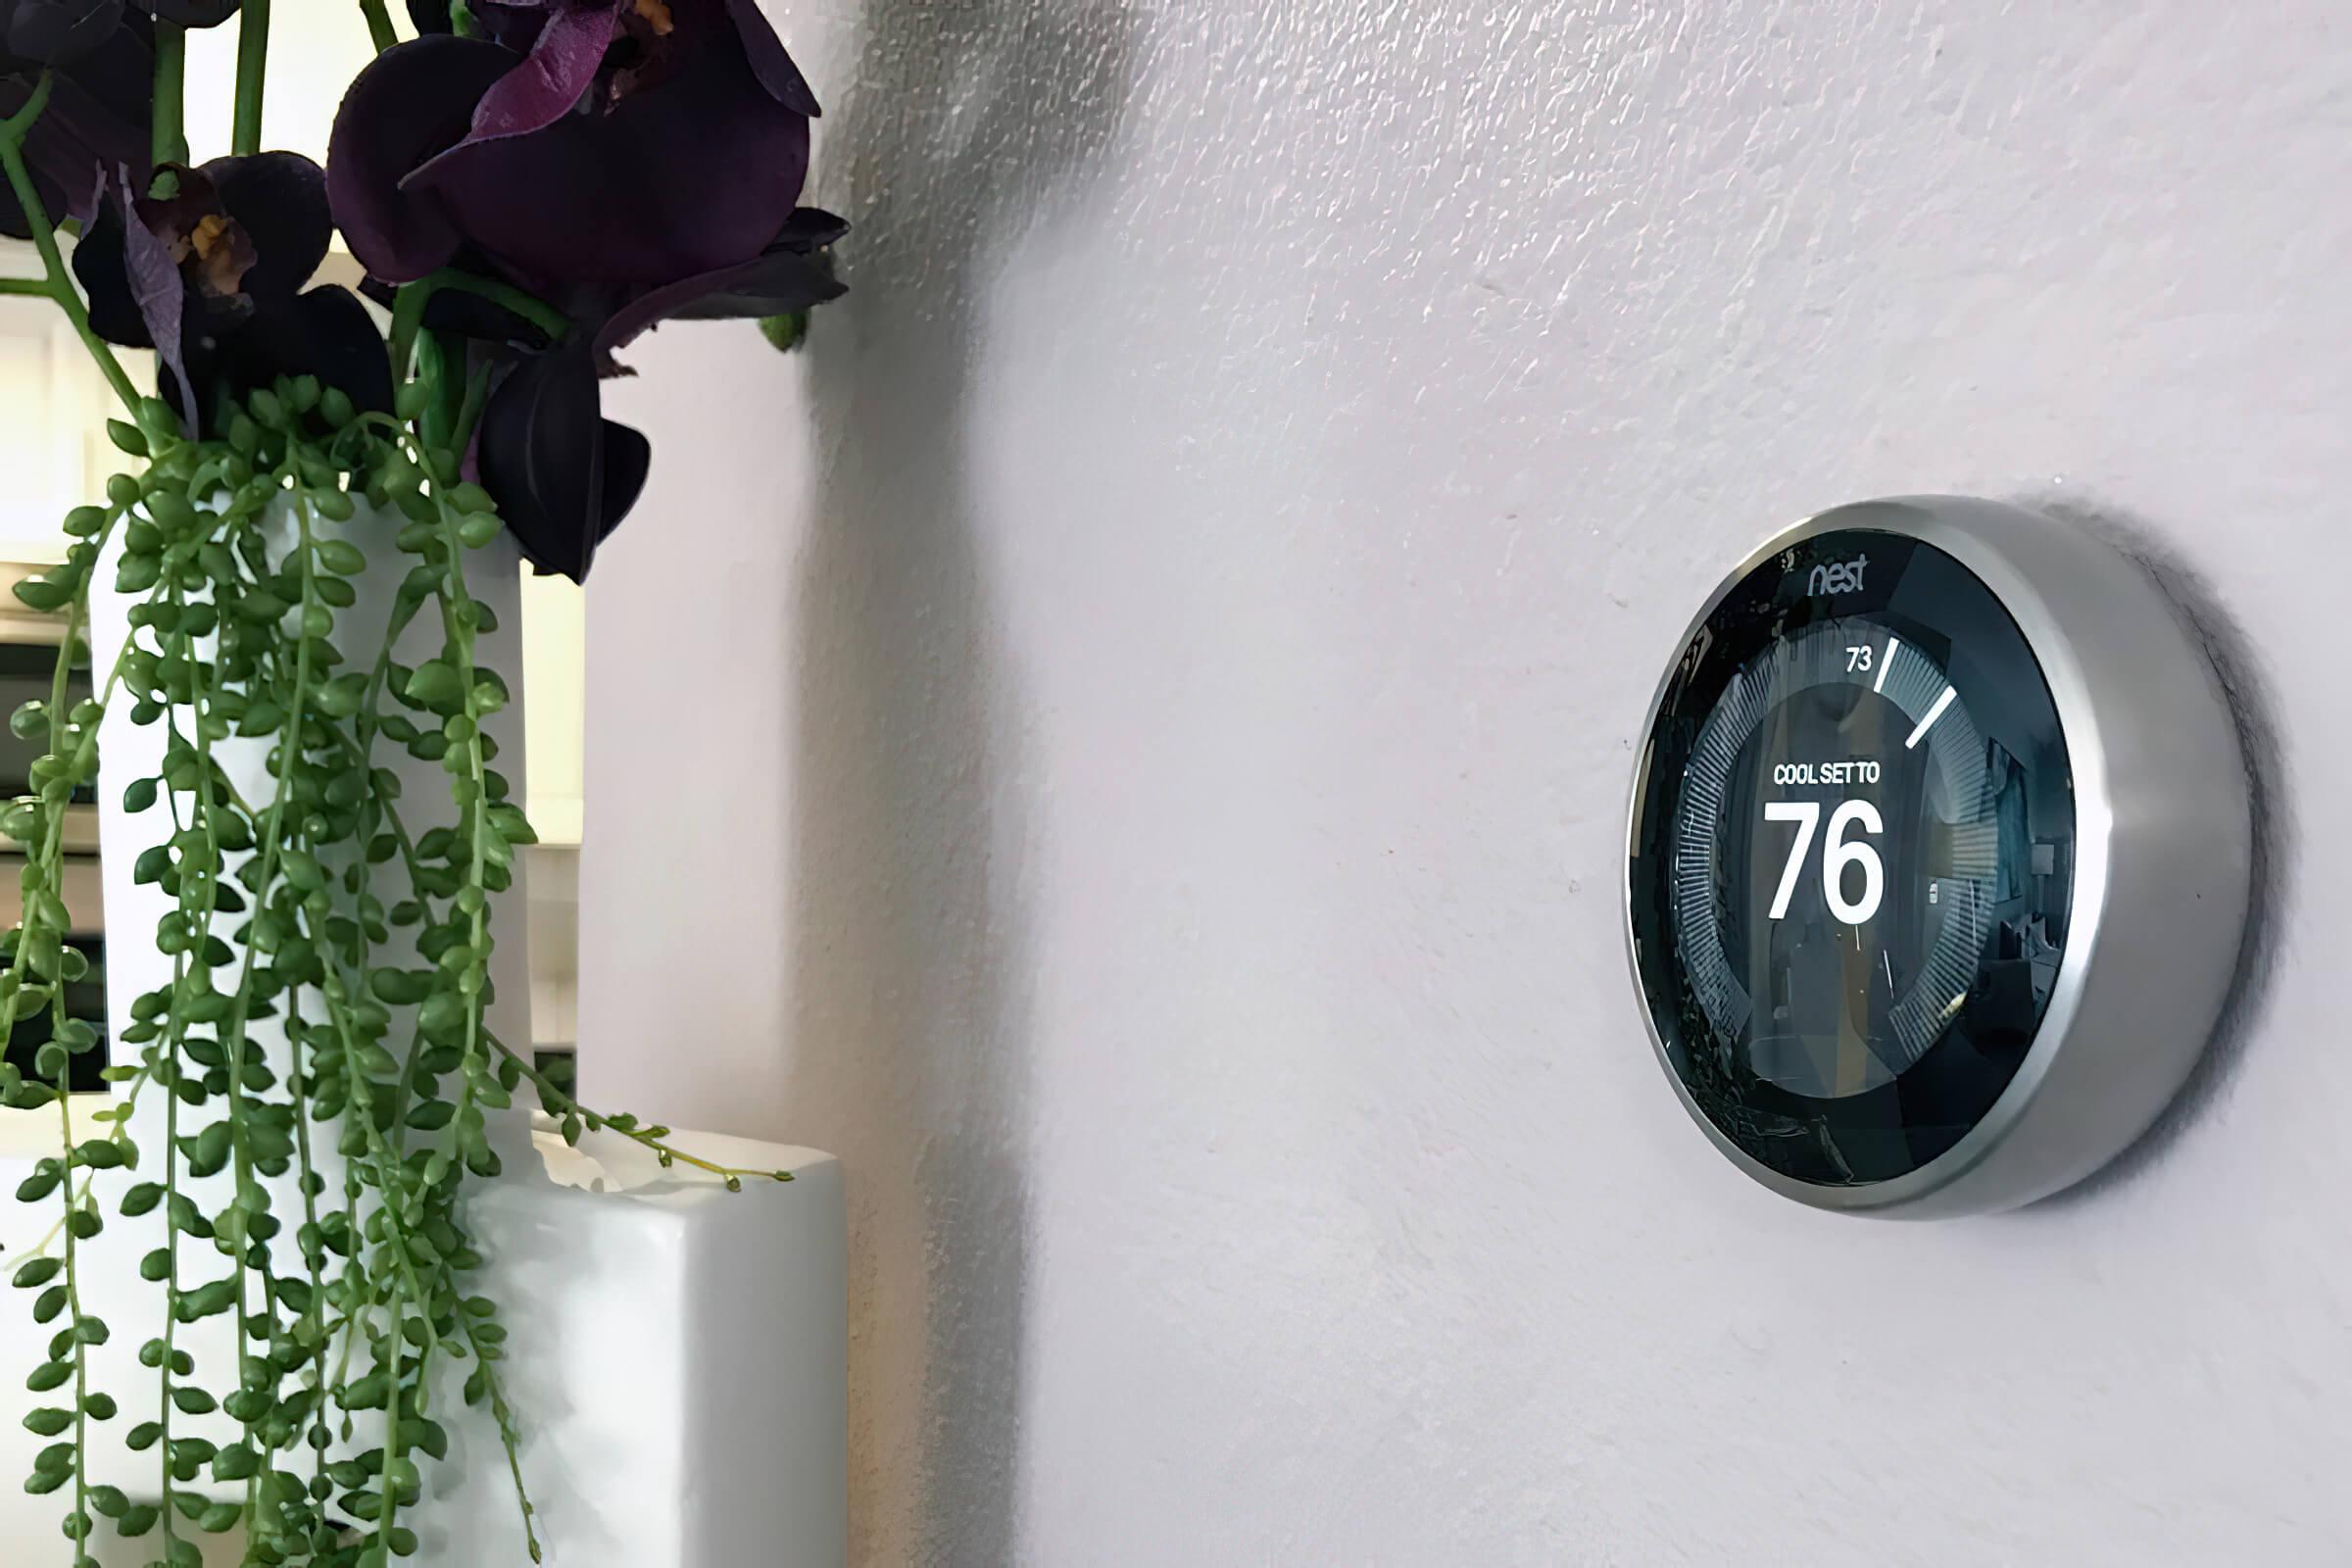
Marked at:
<point>1148,703</point>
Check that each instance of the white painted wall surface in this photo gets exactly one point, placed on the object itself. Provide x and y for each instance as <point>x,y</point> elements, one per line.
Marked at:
<point>1147,705</point>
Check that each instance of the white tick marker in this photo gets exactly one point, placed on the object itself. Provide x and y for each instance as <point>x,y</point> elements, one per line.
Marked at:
<point>1933,713</point>
<point>1886,663</point>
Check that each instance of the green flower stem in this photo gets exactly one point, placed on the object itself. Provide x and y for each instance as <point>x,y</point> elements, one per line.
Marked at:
<point>44,240</point>
<point>408,320</point>
<point>253,64</point>
<point>170,143</point>
<point>530,307</point>
<point>469,412</point>
<point>14,126</point>
<point>408,310</point>
<point>379,25</point>
<point>33,287</point>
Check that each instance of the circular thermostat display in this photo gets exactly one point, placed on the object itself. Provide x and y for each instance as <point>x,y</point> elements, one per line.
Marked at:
<point>1850,889</point>
<point>1933,799</point>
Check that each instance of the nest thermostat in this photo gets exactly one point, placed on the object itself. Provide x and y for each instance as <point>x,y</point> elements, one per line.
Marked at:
<point>1939,857</point>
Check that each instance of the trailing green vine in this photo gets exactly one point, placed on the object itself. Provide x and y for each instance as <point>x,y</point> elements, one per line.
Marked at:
<point>322,1049</point>
<point>316,910</point>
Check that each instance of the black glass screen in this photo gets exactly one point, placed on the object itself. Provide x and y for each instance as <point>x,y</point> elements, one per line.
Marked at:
<point>1853,848</point>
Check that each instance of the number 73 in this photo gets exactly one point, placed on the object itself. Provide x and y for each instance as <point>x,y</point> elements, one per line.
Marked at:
<point>1836,855</point>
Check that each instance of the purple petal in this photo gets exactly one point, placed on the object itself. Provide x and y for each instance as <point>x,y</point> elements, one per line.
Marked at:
<point>769,60</point>
<point>58,32</point>
<point>550,81</point>
<point>96,121</point>
<point>157,286</point>
<point>811,228</point>
<point>279,200</point>
<point>696,174</point>
<point>326,333</point>
<point>102,266</point>
<point>415,99</point>
<point>138,295</point>
<point>787,277</point>
<point>563,474</point>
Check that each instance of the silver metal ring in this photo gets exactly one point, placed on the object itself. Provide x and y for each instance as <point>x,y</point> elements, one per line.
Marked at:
<point>2164,851</point>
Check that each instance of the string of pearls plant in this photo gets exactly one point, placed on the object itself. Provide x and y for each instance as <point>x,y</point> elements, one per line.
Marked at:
<point>319,1085</point>
<point>343,1307</point>
<point>354,920</point>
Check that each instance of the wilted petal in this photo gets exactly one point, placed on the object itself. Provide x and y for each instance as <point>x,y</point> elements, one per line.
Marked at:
<point>56,32</point>
<point>792,274</point>
<point>549,82</point>
<point>413,100</point>
<point>562,474</point>
<point>157,292</point>
<point>132,282</point>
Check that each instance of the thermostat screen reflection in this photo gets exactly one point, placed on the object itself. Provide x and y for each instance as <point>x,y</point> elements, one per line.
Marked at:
<point>1851,878</point>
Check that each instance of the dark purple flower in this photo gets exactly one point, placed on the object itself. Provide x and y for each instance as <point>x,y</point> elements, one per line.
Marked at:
<point>59,32</point>
<point>211,275</point>
<point>101,99</point>
<point>626,161</point>
<point>617,153</point>
<point>563,474</point>
<point>56,32</point>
